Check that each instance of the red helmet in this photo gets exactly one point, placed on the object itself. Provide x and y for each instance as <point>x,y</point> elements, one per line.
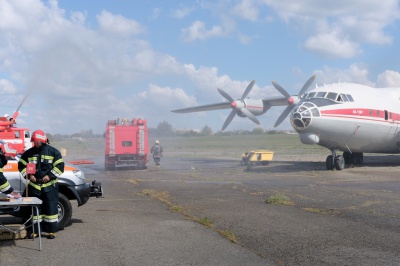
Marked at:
<point>39,136</point>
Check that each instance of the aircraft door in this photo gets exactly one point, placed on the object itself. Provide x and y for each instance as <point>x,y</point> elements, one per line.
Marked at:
<point>389,117</point>
<point>392,116</point>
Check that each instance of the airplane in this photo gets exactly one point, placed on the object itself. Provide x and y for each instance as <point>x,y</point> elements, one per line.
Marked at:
<point>347,117</point>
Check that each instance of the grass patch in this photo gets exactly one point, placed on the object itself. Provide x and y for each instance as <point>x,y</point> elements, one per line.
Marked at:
<point>322,211</point>
<point>164,198</point>
<point>279,199</point>
<point>176,208</point>
<point>206,222</point>
<point>133,181</point>
<point>161,196</point>
<point>229,235</point>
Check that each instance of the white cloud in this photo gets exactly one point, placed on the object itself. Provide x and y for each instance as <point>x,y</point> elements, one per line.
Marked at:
<point>246,9</point>
<point>78,17</point>
<point>156,12</point>
<point>166,97</point>
<point>6,87</point>
<point>389,78</point>
<point>182,12</point>
<point>198,31</point>
<point>360,21</point>
<point>244,39</point>
<point>118,24</point>
<point>332,45</point>
<point>355,73</point>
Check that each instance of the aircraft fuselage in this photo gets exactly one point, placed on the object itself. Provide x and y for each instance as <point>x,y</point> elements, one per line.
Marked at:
<point>349,117</point>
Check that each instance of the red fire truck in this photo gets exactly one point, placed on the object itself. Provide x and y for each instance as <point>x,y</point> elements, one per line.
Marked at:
<point>10,133</point>
<point>126,144</point>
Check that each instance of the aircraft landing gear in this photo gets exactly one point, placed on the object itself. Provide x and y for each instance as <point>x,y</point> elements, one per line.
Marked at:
<point>335,161</point>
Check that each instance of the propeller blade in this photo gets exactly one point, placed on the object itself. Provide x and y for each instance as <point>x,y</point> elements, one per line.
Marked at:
<point>229,119</point>
<point>208,107</point>
<point>283,115</point>
<point>250,115</point>
<point>280,89</point>
<point>248,89</point>
<point>307,85</point>
<point>225,95</point>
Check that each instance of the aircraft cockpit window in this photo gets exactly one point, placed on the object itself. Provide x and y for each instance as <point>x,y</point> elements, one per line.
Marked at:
<point>332,96</point>
<point>350,98</point>
<point>320,94</point>
<point>311,95</point>
<point>306,113</point>
<point>302,109</point>
<point>343,98</point>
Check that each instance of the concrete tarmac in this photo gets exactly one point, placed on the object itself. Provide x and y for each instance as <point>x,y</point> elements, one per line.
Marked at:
<point>126,227</point>
<point>192,210</point>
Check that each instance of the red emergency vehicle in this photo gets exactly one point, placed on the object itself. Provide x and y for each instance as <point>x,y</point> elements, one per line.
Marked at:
<point>126,144</point>
<point>10,133</point>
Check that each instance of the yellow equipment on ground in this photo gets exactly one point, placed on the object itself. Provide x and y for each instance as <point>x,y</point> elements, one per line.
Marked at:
<point>252,158</point>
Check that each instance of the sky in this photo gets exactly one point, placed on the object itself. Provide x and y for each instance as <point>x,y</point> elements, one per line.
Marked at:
<point>75,64</point>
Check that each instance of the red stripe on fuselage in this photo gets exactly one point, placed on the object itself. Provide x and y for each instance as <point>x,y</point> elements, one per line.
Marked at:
<point>363,114</point>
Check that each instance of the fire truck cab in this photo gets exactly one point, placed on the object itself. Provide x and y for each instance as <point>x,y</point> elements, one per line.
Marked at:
<point>20,137</point>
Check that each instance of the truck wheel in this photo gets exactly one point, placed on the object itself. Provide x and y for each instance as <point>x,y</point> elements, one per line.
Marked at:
<point>64,211</point>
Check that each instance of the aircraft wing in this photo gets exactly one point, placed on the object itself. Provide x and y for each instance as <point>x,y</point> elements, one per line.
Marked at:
<point>208,107</point>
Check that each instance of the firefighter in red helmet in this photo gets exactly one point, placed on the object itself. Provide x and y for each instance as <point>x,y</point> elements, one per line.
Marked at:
<point>44,182</point>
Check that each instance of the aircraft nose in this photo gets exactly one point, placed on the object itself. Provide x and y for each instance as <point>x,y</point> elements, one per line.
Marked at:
<point>302,115</point>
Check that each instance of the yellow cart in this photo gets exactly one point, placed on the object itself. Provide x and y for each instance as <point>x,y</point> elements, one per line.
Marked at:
<point>252,158</point>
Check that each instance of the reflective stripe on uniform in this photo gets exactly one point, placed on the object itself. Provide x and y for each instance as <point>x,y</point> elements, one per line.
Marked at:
<point>38,187</point>
<point>48,158</point>
<point>6,186</point>
<point>50,218</point>
<point>35,219</point>
<point>55,170</point>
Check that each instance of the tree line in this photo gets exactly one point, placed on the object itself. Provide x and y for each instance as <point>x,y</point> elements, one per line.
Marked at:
<point>165,129</point>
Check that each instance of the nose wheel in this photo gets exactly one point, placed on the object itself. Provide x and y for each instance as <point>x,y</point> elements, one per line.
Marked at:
<point>335,161</point>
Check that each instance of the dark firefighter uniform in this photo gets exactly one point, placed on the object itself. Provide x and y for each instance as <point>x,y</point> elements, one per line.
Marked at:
<point>48,162</point>
<point>157,150</point>
<point>5,186</point>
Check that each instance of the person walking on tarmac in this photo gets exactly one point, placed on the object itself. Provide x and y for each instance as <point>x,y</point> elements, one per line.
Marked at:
<point>44,182</point>
<point>157,150</point>
<point>5,186</point>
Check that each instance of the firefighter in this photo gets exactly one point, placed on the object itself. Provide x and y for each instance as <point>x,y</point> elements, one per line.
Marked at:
<point>44,182</point>
<point>5,186</point>
<point>157,150</point>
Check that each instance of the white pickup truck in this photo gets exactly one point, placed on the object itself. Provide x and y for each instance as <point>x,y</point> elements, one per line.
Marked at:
<point>71,186</point>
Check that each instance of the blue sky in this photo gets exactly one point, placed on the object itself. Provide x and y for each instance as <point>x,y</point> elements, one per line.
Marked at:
<point>84,62</point>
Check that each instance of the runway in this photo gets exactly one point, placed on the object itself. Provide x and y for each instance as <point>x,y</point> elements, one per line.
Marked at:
<point>212,211</point>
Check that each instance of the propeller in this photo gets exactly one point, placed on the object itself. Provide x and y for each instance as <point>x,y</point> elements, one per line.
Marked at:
<point>238,106</point>
<point>292,100</point>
